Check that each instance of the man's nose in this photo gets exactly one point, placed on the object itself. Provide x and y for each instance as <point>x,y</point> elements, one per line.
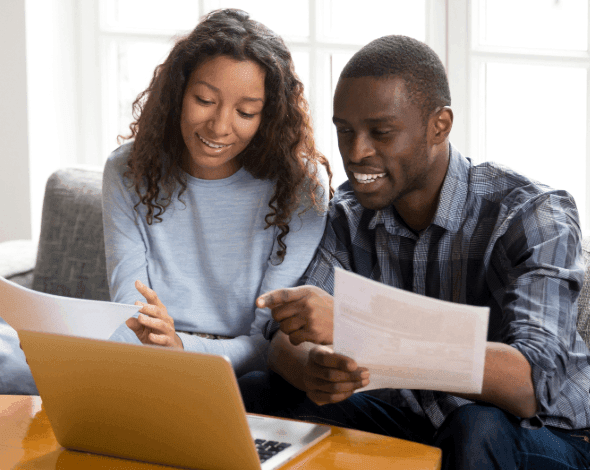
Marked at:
<point>360,148</point>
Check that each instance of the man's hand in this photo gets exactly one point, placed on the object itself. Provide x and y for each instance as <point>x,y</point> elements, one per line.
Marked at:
<point>154,325</point>
<point>306,313</point>
<point>331,377</point>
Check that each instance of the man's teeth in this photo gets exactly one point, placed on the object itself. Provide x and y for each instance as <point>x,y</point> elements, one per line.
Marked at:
<point>209,144</point>
<point>364,178</point>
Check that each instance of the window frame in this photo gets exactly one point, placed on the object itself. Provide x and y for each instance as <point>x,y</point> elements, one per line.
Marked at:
<point>95,84</point>
<point>465,59</point>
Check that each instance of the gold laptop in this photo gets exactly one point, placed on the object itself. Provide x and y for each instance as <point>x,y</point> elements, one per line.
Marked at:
<point>154,404</point>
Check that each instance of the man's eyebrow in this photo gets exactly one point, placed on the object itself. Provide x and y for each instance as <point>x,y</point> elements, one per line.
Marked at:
<point>382,120</point>
<point>377,120</point>
<point>215,89</point>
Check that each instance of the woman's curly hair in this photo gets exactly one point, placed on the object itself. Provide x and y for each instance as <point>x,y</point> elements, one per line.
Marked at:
<point>283,149</point>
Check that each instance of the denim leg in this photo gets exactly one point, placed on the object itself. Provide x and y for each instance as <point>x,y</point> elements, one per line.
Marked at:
<point>485,437</point>
<point>270,394</point>
<point>367,413</point>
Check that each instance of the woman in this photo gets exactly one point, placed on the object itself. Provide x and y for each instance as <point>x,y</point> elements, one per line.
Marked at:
<point>209,205</point>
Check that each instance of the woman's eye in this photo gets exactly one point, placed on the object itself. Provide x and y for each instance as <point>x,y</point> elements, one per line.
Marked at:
<point>246,115</point>
<point>381,131</point>
<point>342,130</point>
<point>201,100</point>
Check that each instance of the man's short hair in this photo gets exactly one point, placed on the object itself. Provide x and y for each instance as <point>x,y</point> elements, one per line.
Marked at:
<point>407,58</point>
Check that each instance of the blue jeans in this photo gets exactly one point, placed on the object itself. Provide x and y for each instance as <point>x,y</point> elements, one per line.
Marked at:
<point>475,436</point>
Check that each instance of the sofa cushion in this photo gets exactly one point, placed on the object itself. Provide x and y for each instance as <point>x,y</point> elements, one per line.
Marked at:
<point>71,257</point>
<point>584,299</point>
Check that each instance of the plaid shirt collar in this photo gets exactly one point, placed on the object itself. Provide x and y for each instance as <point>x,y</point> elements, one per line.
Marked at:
<point>450,206</point>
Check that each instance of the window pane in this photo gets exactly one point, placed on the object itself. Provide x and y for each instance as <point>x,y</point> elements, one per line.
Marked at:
<point>349,21</point>
<point>151,15</point>
<point>338,61</point>
<point>292,24</point>
<point>132,65</point>
<point>536,124</point>
<point>535,24</point>
<point>301,62</point>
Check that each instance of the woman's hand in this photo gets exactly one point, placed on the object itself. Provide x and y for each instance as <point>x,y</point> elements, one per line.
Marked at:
<point>154,325</point>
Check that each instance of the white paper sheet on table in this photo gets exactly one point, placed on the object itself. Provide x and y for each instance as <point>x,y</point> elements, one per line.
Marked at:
<point>25,309</point>
<point>407,340</point>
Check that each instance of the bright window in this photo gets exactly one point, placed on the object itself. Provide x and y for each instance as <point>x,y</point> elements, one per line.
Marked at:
<point>135,35</point>
<point>519,83</point>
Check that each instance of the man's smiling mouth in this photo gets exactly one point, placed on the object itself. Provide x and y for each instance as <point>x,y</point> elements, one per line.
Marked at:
<point>364,178</point>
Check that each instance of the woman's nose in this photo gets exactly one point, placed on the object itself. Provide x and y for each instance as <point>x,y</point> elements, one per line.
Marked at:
<point>221,122</point>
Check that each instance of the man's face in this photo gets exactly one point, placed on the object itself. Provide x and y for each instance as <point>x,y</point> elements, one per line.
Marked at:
<point>382,140</point>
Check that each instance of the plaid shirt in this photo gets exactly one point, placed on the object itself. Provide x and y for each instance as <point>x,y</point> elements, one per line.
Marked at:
<point>497,239</point>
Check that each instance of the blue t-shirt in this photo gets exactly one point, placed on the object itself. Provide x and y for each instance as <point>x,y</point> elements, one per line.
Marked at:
<point>208,259</point>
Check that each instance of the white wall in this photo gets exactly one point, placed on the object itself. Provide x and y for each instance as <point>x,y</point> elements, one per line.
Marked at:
<point>38,113</point>
<point>51,83</point>
<point>15,222</point>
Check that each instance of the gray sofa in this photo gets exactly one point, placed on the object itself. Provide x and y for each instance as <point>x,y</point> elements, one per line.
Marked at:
<point>70,261</point>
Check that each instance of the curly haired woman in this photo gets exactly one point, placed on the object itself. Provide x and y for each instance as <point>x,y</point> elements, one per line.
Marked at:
<point>220,196</point>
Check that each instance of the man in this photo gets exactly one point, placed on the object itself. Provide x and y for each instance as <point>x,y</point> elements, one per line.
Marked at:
<point>417,215</point>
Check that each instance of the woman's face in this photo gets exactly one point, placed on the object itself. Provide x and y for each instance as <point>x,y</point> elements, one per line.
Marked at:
<point>221,112</point>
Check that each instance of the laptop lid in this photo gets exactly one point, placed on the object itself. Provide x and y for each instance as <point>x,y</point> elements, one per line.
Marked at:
<point>141,402</point>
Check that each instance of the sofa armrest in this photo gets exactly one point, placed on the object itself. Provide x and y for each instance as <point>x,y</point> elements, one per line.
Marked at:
<point>17,259</point>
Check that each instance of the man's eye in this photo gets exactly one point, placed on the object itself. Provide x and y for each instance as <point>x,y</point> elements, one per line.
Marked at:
<point>381,131</point>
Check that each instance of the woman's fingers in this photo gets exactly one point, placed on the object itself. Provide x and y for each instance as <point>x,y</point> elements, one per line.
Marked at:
<point>161,340</point>
<point>152,310</point>
<point>149,294</point>
<point>158,325</point>
<point>134,325</point>
<point>153,325</point>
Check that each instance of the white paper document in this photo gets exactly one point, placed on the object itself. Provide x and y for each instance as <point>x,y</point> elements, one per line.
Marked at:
<point>26,309</point>
<point>407,340</point>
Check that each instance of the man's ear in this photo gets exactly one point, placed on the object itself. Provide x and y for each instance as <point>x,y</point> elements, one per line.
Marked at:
<point>440,125</point>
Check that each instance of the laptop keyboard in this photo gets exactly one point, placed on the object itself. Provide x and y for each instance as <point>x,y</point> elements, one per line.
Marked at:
<point>268,449</point>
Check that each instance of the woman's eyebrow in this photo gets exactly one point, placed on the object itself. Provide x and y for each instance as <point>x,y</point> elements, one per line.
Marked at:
<point>215,89</point>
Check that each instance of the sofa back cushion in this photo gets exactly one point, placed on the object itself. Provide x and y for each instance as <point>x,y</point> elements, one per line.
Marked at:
<point>71,256</point>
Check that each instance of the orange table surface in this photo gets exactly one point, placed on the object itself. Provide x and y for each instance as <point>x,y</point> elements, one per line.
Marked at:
<point>27,442</point>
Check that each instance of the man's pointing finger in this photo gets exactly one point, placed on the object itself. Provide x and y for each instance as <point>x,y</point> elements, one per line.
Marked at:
<point>278,297</point>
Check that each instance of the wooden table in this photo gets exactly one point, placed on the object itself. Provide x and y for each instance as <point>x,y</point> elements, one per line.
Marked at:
<point>27,442</point>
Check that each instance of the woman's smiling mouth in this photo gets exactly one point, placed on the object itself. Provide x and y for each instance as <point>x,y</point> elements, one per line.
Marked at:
<point>213,145</point>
